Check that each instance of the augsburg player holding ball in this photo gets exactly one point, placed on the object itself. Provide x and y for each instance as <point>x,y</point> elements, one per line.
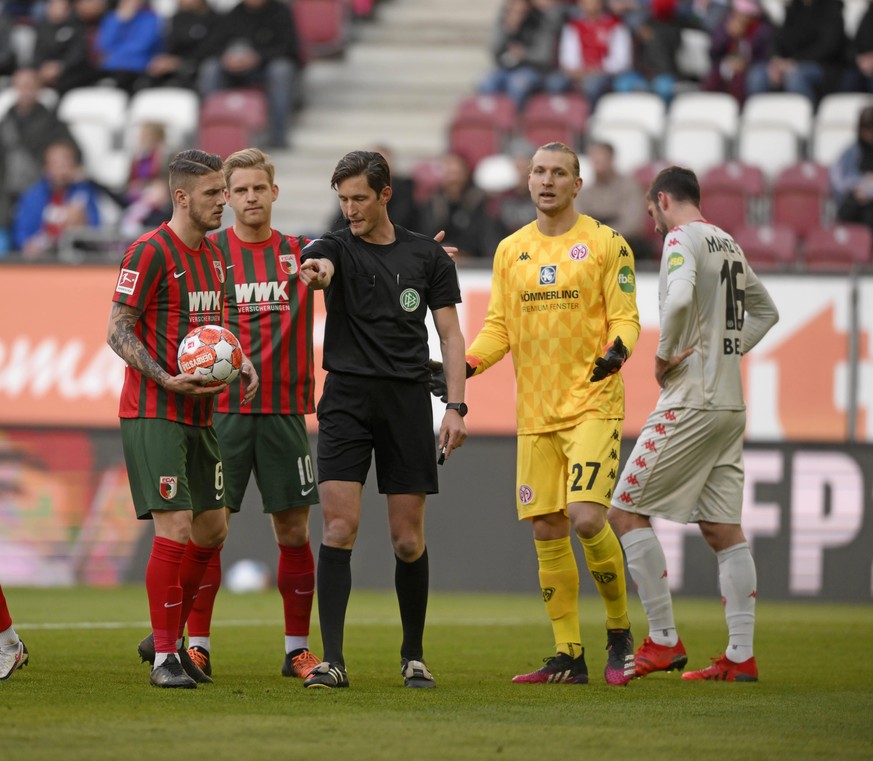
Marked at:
<point>171,281</point>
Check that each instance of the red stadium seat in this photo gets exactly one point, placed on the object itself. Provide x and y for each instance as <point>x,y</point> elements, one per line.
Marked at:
<point>839,248</point>
<point>800,194</point>
<point>231,120</point>
<point>648,171</point>
<point>550,118</point>
<point>224,137</point>
<point>323,26</point>
<point>481,126</point>
<point>246,105</point>
<point>729,190</point>
<point>767,247</point>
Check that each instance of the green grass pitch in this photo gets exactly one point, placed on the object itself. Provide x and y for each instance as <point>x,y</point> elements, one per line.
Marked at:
<point>86,696</point>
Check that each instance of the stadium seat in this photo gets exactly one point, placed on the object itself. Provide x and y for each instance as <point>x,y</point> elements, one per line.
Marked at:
<point>223,137</point>
<point>103,161</point>
<point>772,148</point>
<point>101,105</point>
<point>632,144</point>
<point>768,247</point>
<point>829,142</point>
<point>789,110</point>
<point>323,26</point>
<point>697,147</point>
<point>247,105</point>
<point>731,194</point>
<point>177,108</point>
<point>645,173</point>
<point>716,109</point>
<point>841,109</point>
<point>840,248</point>
<point>481,126</point>
<point>643,110</point>
<point>800,194</point>
<point>547,118</point>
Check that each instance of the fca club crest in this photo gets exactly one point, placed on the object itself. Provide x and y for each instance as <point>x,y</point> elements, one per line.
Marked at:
<point>169,486</point>
<point>219,270</point>
<point>288,264</point>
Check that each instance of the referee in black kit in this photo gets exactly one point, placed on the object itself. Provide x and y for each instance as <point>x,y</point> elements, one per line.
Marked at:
<point>380,279</point>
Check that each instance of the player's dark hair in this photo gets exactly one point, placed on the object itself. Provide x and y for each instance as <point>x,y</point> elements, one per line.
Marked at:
<point>557,147</point>
<point>679,182</point>
<point>192,163</point>
<point>368,163</point>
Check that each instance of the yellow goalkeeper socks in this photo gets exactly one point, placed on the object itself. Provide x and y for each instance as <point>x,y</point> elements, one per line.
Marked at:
<point>606,564</point>
<point>559,581</point>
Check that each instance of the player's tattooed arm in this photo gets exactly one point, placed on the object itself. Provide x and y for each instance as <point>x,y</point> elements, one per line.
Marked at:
<point>122,338</point>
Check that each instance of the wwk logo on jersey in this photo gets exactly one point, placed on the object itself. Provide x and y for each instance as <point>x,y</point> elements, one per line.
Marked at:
<point>579,252</point>
<point>548,274</point>
<point>169,486</point>
<point>127,281</point>
<point>288,264</point>
<point>410,300</point>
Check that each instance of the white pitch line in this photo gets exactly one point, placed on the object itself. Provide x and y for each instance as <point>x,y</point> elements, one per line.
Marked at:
<point>246,623</point>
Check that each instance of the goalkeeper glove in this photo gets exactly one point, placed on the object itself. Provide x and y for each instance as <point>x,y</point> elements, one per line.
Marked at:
<point>611,362</point>
<point>437,383</point>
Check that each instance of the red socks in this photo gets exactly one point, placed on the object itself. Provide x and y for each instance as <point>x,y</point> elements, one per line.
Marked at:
<point>164,592</point>
<point>195,563</point>
<point>296,580</point>
<point>200,618</point>
<point>5,618</point>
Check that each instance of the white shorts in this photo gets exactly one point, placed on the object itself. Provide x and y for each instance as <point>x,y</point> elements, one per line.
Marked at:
<point>687,466</point>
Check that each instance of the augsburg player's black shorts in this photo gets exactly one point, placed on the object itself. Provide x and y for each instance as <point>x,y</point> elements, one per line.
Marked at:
<point>358,416</point>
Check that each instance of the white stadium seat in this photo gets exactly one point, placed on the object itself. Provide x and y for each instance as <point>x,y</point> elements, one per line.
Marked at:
<point>786,109</point>
<point>772,148</point>
<point>715,109</point>
<point>697,147</point>
<point>641,109</point>
<point>632,144</point>
<point>177,108</point>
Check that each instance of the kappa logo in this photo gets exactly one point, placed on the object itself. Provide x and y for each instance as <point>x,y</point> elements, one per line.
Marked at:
<point>127,281</point>
<point>548,593</point>
<point>548,274</point>
<point>410,300</point>
<point>523,257</point>
<point>168,486</point>
<point>623,251</point>
<point>673,242</point>
<point>603,578</point>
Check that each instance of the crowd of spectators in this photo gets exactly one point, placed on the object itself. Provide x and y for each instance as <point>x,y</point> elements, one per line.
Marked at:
<point>594,47</point>
<point>203,45</point>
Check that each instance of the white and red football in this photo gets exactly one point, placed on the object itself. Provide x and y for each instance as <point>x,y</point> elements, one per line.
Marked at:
<point>212,353</point>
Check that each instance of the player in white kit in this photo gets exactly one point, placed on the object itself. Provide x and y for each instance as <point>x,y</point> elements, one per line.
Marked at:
<point>687,464</point>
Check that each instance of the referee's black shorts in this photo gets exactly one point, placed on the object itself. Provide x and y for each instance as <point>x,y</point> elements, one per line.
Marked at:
<point>359,415</point>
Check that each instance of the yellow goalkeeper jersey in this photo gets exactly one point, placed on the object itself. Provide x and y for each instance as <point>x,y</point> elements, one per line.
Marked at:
<point>556,304</point>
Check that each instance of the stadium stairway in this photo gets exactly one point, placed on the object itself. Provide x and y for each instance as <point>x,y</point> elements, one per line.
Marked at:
<point>398,83</point>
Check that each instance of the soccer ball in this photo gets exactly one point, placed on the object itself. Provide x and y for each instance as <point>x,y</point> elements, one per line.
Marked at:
<point>247,576</point>
<point>211,353</point>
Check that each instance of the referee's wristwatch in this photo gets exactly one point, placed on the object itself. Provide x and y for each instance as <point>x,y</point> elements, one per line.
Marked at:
<point>458,407</point>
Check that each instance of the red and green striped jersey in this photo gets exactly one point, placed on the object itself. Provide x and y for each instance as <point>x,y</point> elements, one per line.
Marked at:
<point>176,289</point>
<point>271,313</point>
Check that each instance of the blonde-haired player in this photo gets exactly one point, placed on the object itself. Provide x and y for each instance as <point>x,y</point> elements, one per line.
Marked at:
<point>563,302</point>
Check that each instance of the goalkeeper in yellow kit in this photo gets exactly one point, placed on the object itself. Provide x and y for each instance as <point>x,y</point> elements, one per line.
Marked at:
<point>563,302</point>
